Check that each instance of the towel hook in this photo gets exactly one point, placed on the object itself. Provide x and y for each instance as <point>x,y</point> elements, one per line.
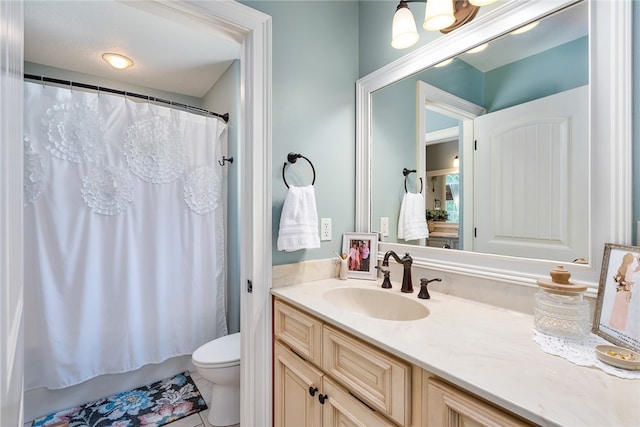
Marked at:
<point>225,160</point>
<point>406,172</point>
<point>292,158</point>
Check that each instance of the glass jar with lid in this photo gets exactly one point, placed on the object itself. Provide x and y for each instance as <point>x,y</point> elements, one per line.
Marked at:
<point>560,308</point>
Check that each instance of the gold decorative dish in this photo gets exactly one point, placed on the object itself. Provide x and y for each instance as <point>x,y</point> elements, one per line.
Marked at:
<point>618,357</point>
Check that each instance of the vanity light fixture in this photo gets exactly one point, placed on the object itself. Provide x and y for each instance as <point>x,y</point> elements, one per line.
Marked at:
<point>444,63</point>
<point>439,15</point>
<point>456,162</point>
<point>117,61</point>
<point>526,28</point>
<point>404,33</point>
<point>478,48</point>
<point>481,2</point>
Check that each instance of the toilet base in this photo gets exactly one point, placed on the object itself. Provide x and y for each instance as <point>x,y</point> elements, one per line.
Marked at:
<point>224,409</point>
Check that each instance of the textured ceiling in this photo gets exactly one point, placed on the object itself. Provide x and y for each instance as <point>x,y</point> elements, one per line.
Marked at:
<point>186,57</point>
<point>168,54</point>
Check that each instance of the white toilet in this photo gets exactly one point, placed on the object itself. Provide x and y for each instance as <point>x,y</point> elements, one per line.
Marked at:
<point>218,361</point>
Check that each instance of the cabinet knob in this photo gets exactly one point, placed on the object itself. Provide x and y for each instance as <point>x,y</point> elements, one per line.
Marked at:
<point>313,390</point>
<point>322,398</point>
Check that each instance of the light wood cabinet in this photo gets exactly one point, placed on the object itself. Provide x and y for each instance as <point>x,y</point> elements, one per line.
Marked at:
<point>450,406</point>
<point>296,384</point>
<point>355,387</point>
<point>323,376</point>
<point>300,331</point>
<point>381,380</point>
<point>342,409</point>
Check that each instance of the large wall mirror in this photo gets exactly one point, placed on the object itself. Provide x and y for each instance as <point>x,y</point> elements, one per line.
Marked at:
<point>516,205</point>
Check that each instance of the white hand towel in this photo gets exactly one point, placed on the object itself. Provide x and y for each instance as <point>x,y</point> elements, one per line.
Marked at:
<point>412,222</point>
<point>299,220</point>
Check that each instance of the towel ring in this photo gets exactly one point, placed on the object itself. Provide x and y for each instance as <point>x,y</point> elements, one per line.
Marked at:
<point>406,172</point>
<point>292,158</point>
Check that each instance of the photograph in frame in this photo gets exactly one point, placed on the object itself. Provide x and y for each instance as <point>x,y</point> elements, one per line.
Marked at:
<point>617,313</point>
<point>361,250</point>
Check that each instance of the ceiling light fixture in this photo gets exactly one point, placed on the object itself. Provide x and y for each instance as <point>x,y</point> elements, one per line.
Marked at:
<point>439,15</point>
<point>117,61</point>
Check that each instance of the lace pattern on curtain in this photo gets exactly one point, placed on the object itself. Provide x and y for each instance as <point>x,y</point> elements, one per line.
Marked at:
<point>154,152</point>
<point>124,234</point>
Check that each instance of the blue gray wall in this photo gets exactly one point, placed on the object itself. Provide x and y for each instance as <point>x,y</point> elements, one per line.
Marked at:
<point>320,48</point>
<point>315,66</point>
<point>224,96</point>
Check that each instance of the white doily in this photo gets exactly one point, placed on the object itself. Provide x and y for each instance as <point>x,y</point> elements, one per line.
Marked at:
<point>74,133</point>
<point>580,352</point>
<point>33,170</point>
<point>154,152</point>
<point>203,190</point>
<point>107,190</point>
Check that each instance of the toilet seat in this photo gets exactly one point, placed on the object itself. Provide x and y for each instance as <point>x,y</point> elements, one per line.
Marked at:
<point>221,352</point>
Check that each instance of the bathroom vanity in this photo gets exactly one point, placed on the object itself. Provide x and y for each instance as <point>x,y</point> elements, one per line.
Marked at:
<point>348,351</point>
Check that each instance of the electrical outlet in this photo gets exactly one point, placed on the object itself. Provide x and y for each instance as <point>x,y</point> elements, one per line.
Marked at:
<point>384,226</point>
<point>325,229</point>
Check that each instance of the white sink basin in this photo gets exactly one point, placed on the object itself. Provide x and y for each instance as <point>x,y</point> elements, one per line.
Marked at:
<point>379,304</point>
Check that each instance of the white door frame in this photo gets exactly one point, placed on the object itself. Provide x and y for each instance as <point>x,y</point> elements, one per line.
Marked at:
<point>11,249</point>
<point>252,29</point>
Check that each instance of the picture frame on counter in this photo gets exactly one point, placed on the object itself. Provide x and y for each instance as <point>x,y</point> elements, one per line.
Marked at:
<point>617,312</point>
<point>361,250</point>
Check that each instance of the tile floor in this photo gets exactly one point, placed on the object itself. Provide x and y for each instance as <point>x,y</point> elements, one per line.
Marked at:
<point>199,419</point>
<point>195,420</point>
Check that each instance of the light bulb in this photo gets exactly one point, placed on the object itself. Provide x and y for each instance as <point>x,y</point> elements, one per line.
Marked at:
<point>525,28</point>
<point>117,61</point>
<point>438,15</point>
<point>403,31</point>
<point>478,48</point>
<point>481,2</point>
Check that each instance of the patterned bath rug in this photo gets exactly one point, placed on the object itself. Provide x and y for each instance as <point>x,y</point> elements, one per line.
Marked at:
<point>153,405</point>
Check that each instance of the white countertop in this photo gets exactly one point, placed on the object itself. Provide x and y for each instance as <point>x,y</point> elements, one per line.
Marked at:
<point>488,351</point>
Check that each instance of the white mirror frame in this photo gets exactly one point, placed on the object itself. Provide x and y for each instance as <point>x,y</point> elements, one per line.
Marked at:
<point>610,129</point>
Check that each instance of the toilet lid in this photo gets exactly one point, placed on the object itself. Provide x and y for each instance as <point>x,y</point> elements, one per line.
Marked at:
<point>221,350</point>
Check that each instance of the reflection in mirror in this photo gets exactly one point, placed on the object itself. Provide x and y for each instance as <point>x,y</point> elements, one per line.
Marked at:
<point>511,71</point>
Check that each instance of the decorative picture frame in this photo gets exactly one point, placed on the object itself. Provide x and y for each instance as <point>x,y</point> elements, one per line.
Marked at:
<point>617,313</point>
<point>362,252</point>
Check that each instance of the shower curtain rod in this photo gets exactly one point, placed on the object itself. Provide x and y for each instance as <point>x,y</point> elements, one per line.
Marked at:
<point>45,79</point>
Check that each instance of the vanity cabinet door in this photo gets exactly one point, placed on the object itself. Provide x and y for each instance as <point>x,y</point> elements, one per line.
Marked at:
<point>341,409</point>
<point>302,332</point>
<point>383,382</point>
<point>297,385</point>
<point>448,406</point>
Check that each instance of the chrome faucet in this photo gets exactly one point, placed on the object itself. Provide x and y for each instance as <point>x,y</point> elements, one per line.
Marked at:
<point>406,261</point>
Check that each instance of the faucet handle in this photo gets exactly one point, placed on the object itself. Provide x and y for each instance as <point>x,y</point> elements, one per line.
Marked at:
<point>386,283</point>
<point>424,292</point>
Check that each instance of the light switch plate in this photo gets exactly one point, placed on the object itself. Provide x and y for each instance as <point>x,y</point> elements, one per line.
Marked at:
<point>384,226</point>
<point>325,229</point>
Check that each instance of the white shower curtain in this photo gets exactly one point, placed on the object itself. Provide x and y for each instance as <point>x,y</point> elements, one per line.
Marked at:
<point>124,240</point>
